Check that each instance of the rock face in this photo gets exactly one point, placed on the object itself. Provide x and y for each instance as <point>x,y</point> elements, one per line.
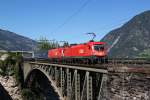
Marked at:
<point>129,86</point>
<point>130,39</point>
<point>13,41</point>
<point>4,94</point>
<point>10,85</point>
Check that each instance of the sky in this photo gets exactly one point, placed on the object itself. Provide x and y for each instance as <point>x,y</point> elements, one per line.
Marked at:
<point>67,20</point>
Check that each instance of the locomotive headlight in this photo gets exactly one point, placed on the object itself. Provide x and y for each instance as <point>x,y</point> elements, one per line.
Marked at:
<point>100,53</point>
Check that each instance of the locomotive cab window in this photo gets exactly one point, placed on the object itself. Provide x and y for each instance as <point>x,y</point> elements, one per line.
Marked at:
<point>98,47</point>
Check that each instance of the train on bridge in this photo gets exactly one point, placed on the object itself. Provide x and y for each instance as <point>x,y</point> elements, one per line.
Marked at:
<point>90,53</point>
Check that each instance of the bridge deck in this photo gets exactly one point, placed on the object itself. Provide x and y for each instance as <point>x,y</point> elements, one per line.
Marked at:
<point>92,69</point>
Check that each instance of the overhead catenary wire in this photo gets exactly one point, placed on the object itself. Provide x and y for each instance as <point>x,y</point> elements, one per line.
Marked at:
<point>71,16</point>
<point>115,25</point>
<point>110,26</point>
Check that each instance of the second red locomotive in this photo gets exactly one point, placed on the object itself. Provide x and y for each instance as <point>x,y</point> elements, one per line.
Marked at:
<point>90,52</point>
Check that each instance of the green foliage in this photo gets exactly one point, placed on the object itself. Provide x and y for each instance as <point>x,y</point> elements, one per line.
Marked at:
<point>144,54</point>
<point>10,66</point>
<point>3,68</point>
<point>27,94</point>
<point>66,44</point>
<point>45,44</point>
<point>7,65</point>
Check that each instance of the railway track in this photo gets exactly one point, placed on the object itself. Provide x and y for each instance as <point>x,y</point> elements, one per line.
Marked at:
<point>128,61</point>
<point>105,65</point>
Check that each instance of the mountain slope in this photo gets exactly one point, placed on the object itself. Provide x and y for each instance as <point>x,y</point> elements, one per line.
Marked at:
<point>131,39</point>
<point>13,41</point>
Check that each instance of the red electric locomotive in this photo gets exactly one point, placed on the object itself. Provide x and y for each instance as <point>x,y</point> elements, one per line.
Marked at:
<point>90,52</point>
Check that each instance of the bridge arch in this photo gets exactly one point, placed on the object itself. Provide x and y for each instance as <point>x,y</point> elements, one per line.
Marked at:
<point>31,72</point>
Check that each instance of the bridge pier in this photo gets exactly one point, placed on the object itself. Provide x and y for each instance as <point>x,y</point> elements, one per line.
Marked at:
<point>103,84</point>
<point>68,84</point>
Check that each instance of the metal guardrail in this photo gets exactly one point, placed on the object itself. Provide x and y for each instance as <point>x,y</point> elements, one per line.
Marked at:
<point>74,67</point>
<point>129,61</point>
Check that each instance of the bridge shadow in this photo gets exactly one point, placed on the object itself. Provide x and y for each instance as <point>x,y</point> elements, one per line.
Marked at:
<point>4,94</point>
<point>41,86</point>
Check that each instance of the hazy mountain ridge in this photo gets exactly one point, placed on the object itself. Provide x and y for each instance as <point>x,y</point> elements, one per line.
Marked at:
<point>132,38</point>
<point>12,41</point>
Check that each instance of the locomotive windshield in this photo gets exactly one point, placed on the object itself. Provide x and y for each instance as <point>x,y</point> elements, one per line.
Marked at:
<point>98,47</point>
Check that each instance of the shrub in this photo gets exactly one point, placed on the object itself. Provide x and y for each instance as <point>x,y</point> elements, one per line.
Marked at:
<point>27,94</point>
